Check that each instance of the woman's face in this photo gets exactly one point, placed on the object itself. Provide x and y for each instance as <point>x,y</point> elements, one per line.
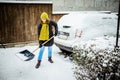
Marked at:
<point>43,20</point>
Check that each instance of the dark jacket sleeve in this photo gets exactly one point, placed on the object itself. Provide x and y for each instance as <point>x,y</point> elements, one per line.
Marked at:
<point>56,27</point>
<point>39,29</point>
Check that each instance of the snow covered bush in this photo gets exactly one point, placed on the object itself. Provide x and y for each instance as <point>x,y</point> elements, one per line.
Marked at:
<point>97,60</point>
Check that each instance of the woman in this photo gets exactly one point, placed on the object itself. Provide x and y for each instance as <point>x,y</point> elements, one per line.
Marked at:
<point>46,29</point>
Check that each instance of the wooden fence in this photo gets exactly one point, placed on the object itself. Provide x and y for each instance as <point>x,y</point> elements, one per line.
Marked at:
<point>18,22</point>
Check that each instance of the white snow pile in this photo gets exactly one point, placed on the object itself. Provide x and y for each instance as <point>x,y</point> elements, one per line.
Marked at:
<point>97,59</point>
<point>12,68</point>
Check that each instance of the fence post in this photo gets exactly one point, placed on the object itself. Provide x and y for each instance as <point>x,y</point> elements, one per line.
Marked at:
<point>117,34</point>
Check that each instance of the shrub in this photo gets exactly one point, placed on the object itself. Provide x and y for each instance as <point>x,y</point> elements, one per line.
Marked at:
<point>96,62</point>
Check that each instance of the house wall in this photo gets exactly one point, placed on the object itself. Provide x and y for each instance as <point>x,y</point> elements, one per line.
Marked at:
<point>85,5</point>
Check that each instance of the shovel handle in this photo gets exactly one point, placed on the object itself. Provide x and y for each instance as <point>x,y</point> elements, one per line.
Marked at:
<point>35,49</point>
<point>48,40</point>
<point>43,43</point>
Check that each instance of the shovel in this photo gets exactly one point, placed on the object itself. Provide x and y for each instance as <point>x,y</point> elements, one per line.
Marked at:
<point>26,55</point>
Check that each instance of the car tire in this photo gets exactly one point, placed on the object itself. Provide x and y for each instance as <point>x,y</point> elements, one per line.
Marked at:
<point>66,53</point>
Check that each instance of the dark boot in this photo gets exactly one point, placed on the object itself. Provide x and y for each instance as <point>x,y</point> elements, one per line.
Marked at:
<point>38,64</point>
<point>50,60</point>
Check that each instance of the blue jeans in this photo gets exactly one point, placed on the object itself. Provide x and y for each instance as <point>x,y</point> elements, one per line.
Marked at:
<point>42,51</point>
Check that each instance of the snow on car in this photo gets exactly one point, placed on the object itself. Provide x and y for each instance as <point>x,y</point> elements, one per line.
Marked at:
<point>77,27</point>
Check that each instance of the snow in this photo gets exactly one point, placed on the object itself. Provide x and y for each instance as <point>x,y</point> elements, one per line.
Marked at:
<point>68,12</point>
<point>12,68</point>
<point>99,51</point>
<point>99,43</point>
<point>94,24</point>
<point>91,24</point>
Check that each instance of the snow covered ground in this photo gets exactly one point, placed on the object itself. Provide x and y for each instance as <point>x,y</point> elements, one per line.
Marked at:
<point>12,68</point>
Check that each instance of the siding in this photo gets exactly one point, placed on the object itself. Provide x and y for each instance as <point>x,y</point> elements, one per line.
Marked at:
<point>18,22</point>
<point>85,5</point>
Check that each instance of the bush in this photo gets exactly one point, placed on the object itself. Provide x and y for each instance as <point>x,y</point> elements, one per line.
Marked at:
<point>93,62</point>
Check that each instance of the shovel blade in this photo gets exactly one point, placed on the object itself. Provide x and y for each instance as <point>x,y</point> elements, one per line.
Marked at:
<point>25,55</point>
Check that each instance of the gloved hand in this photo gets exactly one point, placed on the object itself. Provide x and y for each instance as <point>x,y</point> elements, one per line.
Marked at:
<point>54,34</point>
<point>40,44</point>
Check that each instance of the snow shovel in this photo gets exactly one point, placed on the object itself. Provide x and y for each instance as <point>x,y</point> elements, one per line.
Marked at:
<point>26,55</point>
